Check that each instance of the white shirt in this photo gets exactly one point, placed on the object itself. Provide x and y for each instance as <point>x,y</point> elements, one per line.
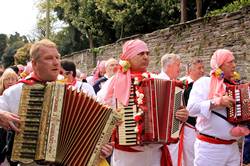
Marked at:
<point>85,87</point>
<point>199,105</point>
<point>163,75</point>
<point>9,101</point>
<point>90,80</point>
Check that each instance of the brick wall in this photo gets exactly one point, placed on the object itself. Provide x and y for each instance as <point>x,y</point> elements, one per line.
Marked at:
<point>196,38</point>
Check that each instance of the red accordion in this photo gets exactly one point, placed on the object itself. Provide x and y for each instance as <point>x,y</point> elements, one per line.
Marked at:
<point>240,111</point>
<point>162,98</point>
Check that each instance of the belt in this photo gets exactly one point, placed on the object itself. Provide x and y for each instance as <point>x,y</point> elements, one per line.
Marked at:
<point>191,121</point>
<point>214,140</point>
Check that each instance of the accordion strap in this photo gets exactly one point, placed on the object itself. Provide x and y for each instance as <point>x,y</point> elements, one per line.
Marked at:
<point>219,115</point>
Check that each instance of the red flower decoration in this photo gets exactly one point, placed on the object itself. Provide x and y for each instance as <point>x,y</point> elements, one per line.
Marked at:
<point>137,118</point>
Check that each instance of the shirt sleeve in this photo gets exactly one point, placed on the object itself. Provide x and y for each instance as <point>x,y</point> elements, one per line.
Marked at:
<point>198,104</point>
<point>10,99</point>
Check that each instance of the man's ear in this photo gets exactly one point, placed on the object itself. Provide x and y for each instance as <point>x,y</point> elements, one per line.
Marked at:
<point>34,63</point>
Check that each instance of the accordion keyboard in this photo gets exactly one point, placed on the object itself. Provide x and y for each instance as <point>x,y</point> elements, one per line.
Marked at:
<point>127,134</point>
<point>27,140</point>
<point>239,112</point>
<point>178,102</point>
<point>237,103</point>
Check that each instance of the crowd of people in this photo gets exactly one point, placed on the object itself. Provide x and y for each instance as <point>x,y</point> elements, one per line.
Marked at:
<point>206,137</point>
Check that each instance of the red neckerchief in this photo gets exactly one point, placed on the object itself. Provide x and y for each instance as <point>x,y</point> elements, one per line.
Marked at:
<point>31,80</point>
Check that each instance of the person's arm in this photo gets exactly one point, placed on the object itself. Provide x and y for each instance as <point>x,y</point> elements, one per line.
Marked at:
<point>9,104</point>
<point>9,120</point>
<point>198,104</point>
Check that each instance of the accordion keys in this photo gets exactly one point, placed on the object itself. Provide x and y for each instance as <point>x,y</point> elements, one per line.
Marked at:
<point>56,129</point>
<point>240,111</point>
<point>126,130</point>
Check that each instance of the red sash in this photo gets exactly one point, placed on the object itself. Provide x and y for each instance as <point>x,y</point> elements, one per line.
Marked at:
<point>214,140</point>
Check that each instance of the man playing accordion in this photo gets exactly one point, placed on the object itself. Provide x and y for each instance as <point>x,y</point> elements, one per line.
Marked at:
<point>134,61</point>
<point>46,67</point>
<point>216,142</point>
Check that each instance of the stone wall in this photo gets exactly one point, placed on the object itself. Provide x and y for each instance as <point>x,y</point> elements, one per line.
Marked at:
<point>196,38</point>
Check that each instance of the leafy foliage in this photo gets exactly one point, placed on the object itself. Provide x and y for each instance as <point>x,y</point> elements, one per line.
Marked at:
<point>141,16</point>
<point>13,43</point>
<point>22,55</point>
<point>84,16</point>
<point>3,44</point>
<point>232,7</point>
<point>92,23</point>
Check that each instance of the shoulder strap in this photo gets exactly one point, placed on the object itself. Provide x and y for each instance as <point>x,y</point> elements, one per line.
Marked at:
<point>221,116</point>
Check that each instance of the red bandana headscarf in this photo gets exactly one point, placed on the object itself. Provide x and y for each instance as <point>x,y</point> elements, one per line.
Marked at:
<point>119,87</point>
<point>219,57</point>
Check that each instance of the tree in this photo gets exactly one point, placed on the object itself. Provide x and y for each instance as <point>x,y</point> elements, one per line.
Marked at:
<point>191,9</point>
<point>142,16</point>
<point>199,8</point>
<point>14,42</point>
<point>183,11</point>
<point>3,44</point>
<point>85,16</point>
<point>22,55</point>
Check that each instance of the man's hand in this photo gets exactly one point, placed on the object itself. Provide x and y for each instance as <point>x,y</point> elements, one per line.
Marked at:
<point>226,101</point>
<point>9,120</point>
<point>223,101</point>
<point>182,114</point>
<point>106,150</point>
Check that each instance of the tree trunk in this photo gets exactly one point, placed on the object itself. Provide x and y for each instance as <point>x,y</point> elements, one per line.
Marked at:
<point>183,11</point>
<point>91,40</point>
<point>48,20</point>
<point>199,8</point>
<point>122,30</point>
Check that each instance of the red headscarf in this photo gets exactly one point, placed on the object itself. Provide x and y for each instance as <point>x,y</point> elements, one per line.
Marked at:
<point>219,57</point>
<point>119,87</point>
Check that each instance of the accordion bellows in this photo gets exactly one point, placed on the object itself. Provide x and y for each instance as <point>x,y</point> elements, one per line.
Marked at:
<point>162,99</point>
<point>60,125</point>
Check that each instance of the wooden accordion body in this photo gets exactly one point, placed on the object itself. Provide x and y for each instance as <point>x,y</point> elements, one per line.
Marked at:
<point>162,99</point>
<point>61,126</point>
<point>239,113</point>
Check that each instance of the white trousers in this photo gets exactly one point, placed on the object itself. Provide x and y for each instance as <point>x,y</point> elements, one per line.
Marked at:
<point>216,154</point>
<point>173,150</point>
<point>150,156</point>
<point>188,146</point>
